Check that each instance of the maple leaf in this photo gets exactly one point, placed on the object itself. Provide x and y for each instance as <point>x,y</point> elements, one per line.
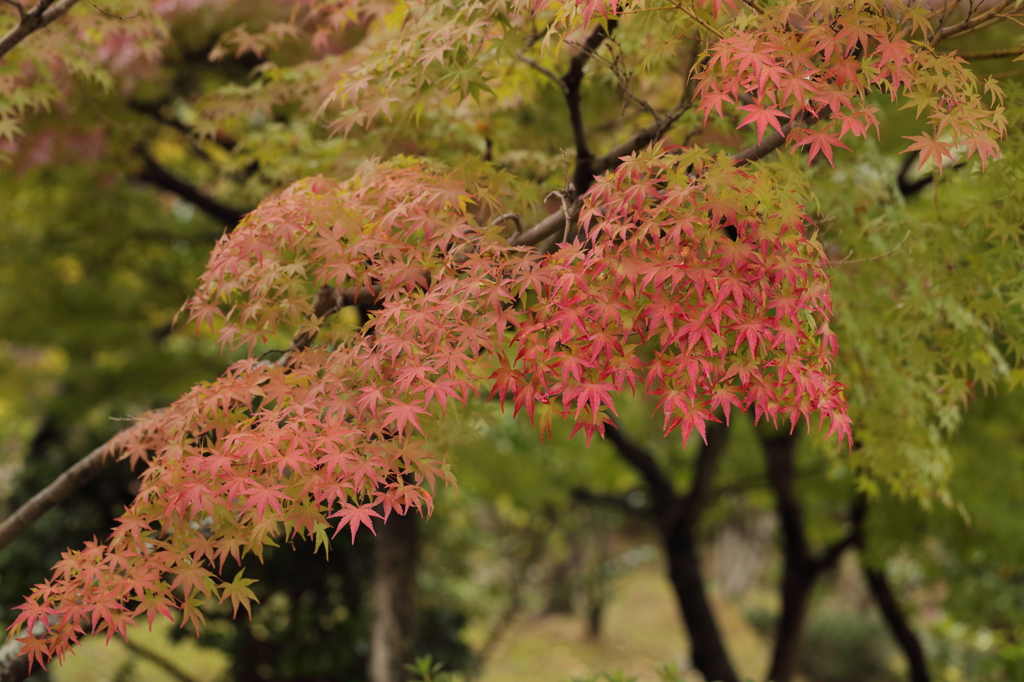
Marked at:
<point>352,516</point>
<point>404,414</point>
<point>928,149</point>
<point>762,117</point>
<point>239,593</point>
<point>262,496</point>
<point>820,141</point>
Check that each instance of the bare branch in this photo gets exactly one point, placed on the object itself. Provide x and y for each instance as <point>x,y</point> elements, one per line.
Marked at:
<point>514,217</point>
<point>111,14</point>
<point>534,64</point>
<point>156,174</point>
<point>546,227</point>
<point>62,487</point>
<point>849,261</point>
<point>897,622</point>
<point>643,138</point>
<point>971,23</point>
<point>766,146</point>
<point>326,302</point>
<point>752,4</point>
<point>663,496</point>
<point>991,54</point>
<point>583,176</point>
<point>43,14</point>
<point>165,664</point>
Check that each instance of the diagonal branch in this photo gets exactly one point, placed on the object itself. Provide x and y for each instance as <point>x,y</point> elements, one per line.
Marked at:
<point>43,14</point>
<point>897,622</point>
<point>830,555</point>
<point>650,134</point>
<point>621,502</point>
<point>663,496</point>
<point>703,475</point>
<point>971,23</point>
<point>326,302</point>
<point>80,473</point>
<point>766,146</point>
<point>155,174</point>
<point>165,664</point>
<point>991,54</point>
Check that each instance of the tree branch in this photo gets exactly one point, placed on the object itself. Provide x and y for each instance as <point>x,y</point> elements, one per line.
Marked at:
<point>43,14</point>
<point>653,132</point>
<point>991,54</point>
<point>80,473</point>
<point>779,452</point>
<point>620,502</point>
<point>897,622</point>
<point>327,301</point>
<point>828,558</point>
<point>801,570</point>
<point>703,474</point>
<point>18,7</point>
<point>766,146</point>
<point>155,174</point>
<point>583,176</point>
<point>971,23</point>
<point>165,664</point>
<point>663,497</point>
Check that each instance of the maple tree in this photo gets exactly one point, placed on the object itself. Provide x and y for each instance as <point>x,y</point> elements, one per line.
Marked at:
<point>694,276</point>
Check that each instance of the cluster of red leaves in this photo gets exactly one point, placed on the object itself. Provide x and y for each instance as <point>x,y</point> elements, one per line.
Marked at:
<point>654,292</point>
<point>815,62</point>
<point>689,277</point>
<point>691,283</point>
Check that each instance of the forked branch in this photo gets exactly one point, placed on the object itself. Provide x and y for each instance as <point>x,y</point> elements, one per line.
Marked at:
<point>43,14</point>
<point>972,22</point>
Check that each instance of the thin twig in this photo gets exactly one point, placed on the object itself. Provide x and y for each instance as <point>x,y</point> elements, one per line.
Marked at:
<point>754,6</point>
<point>991,54</point>
<point>693,15</point>
<point>111,14</point>
<point>532,63</point>
<point>849,261</point>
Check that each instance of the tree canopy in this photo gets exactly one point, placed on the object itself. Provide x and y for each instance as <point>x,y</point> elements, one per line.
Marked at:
<point>578,211</point>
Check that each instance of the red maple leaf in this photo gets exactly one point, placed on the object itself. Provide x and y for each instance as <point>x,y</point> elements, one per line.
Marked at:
<point>762,117</point>
<point>352,516</point>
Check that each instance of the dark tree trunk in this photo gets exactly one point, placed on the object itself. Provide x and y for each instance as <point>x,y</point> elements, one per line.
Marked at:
<point>796,592</point>
<point>677,518</point>
<point>708,651</point>
<point>802,568</point>
<point>394,594</point>
<point>906,638</point>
